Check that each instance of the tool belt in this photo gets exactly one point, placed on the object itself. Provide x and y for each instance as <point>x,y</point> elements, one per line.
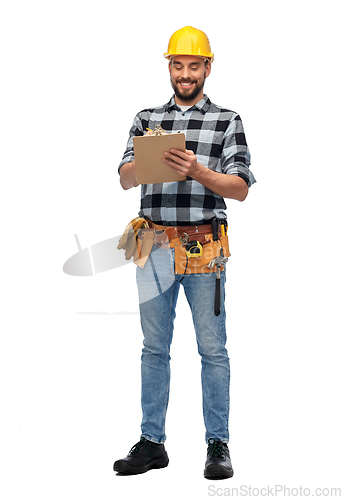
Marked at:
<point>194,245</point>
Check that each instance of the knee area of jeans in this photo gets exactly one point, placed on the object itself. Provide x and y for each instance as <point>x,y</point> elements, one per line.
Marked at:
<point>212,344</point>
<point>213,353</point>
<point>155,357</point>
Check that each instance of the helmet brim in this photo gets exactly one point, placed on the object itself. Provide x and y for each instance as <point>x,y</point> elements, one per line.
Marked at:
<point>210,57</point>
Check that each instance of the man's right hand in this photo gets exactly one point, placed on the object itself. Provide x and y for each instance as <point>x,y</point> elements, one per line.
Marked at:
<point>128,176</point>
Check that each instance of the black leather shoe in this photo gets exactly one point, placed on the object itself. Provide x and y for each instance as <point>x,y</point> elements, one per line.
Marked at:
<point>142,457</point>
<point>218,464</point>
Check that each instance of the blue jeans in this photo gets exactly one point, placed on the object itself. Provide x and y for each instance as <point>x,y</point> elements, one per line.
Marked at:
<point>158,288</point>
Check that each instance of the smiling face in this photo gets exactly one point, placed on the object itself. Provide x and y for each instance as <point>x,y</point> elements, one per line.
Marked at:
<point>188,74</point>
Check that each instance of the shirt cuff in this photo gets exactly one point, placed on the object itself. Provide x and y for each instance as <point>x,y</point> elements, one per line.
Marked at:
<point>244,173</point>
<point>127,159</point>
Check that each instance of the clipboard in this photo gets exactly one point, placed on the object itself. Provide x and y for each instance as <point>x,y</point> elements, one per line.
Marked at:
<point>148,154</point>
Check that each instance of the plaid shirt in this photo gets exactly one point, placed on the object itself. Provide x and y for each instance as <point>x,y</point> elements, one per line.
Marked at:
<point>217,138</point>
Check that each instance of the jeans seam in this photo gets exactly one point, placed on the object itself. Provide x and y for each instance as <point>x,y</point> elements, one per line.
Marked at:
<point>168,365</point>
<point>224,351</point>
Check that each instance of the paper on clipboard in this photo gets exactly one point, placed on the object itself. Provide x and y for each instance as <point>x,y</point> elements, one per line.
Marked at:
<point>148,153</point>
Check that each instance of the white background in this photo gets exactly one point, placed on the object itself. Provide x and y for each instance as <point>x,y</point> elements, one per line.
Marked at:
<point>74,74</point>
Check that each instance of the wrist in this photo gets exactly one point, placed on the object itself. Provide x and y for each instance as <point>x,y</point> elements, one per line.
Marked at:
<point>200,172</point>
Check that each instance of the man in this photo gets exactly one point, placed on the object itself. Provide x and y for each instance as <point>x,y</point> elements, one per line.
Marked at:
<point>216,166</point>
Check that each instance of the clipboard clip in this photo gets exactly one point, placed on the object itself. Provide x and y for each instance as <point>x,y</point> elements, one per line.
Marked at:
<point>158,130</point>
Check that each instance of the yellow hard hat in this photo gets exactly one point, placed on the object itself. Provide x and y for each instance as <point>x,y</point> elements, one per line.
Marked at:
<point>189,41</point>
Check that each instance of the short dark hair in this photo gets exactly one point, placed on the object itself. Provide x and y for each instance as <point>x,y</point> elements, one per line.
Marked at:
<point>206,61</point>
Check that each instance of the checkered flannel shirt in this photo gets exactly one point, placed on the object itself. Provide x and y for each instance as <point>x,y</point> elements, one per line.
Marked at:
<point>217,138</point>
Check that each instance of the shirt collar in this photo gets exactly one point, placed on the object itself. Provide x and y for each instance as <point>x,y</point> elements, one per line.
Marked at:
<point>202,105</point>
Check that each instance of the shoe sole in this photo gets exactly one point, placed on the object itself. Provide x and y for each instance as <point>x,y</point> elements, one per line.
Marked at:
<point>216,472</point>
<point>158,463</point>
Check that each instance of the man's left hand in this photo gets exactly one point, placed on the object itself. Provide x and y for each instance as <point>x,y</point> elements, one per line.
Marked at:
<point>185,163</point>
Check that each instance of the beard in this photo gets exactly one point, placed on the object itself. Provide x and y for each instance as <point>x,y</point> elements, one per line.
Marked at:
<point>184,94</point>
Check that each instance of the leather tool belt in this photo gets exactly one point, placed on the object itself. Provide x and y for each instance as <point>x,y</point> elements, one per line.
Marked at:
<point>141,234</point>
<point>175,237</point>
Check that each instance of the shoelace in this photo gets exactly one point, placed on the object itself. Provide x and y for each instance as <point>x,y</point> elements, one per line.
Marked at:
<point>215,448</point>
<point>137,447</point>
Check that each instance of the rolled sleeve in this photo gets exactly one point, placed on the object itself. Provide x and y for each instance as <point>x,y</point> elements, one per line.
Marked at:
<point>235,157</point>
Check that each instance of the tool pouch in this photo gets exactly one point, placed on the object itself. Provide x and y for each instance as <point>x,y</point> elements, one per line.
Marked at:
<point>199,265</point>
